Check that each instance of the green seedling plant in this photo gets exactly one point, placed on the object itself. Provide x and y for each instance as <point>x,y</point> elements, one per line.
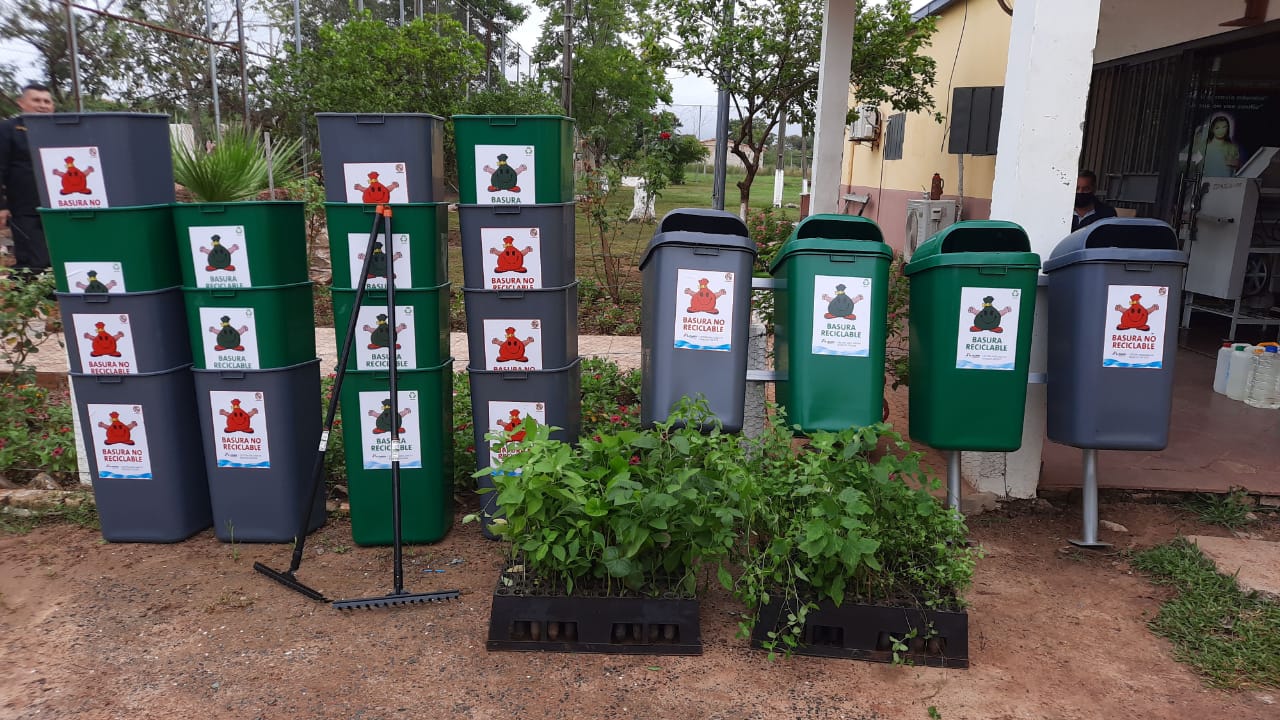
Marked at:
<point>1230,510</point>
<point>632,512</point>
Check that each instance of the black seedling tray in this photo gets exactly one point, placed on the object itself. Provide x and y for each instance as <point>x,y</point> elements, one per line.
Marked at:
<point>627,626</point>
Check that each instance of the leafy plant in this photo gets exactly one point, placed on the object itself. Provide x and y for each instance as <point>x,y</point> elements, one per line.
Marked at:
<point>842,518</point>
<point>1230,510</point>
<point>769,228</point>
<point>635,512</point>
<point>309,190</point>
<point>237,168</point>
<point>335,463</point>
<point>897,340</point>
<point>610,397</point>
<point>606,221</point>
<point>464,444</point>
<point>28,318</point>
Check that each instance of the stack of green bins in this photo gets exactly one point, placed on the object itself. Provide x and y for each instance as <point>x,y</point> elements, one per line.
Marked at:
<point>106,184</point>
<point>517,223</point>
<point>402,154</point>
<point>249,308</point>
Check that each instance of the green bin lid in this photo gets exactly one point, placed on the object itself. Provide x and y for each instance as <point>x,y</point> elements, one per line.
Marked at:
<point>509,119</point>
<point>975,243</point>
<point>828,234</point>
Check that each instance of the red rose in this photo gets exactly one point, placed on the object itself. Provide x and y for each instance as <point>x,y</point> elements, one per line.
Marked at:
<point>665,135</point>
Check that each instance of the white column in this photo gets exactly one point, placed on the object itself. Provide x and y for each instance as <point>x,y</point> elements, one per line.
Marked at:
<point>833,103</point>
<point>1046,90</point>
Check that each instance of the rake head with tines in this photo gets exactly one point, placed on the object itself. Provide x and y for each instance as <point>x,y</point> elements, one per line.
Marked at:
<point>396,600</point>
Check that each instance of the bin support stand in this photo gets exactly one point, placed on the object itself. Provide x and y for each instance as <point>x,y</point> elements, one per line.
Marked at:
<point>1089,505</point>
<point>953,479</point>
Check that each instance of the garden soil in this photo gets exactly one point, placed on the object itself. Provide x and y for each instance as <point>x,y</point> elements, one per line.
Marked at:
<point>95,630</point>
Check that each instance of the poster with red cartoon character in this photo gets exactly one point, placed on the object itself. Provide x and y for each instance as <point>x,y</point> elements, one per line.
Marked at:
<point>375,183</point>
<point>230,338</point>
<point>988,334</point>
<point>509,417</point>
<point>512,258</point>
<point>704,310</point>
<point>220,256</point>
<point>119,435</point>
<point>74,178</point>
<point>504,174</point>
<point>398,251</point>
<point>513,345</point>
<point>373,338</point>
<point>94,277</point>
<point>1134,329</point>
<point>377,423</point>
<point>842,315</point>
<point>105,343</point>
<point>240,429</point>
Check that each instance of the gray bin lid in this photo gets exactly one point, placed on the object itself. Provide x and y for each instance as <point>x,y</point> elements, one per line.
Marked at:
<point>1118,240</point>
<point>700,227</point>
<point>375,118</point>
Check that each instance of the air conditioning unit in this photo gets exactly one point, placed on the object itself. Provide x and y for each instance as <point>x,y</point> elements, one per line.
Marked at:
<point>926,218</point>
<point>867,126</point>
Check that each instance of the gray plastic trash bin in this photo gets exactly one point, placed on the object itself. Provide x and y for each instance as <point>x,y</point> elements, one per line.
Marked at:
<point>696,312</point>
<point>376,158</point>
<point>260,430</point>
<point>145,455</point>
<point>92,161</point>
<point>522,329</point>
<point>1115,291</point>
<point>517,247</point>
<point>125,333</point>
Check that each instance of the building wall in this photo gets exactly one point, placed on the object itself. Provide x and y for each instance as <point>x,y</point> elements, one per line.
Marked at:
<point>1128,27</point>
<point>983,43</point>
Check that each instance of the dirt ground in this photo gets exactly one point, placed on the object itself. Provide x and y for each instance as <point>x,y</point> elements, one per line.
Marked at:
<point>96,630</point>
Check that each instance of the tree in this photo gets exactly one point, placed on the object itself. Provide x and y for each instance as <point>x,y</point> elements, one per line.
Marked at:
<point>43,26</point>
<point>615,84</point>
<point>769,60</point>
<point>686,150</point>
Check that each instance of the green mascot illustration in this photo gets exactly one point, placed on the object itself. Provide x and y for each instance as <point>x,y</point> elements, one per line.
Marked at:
<point>988,319</point>
<point>383,424</point>
<point>95,285</point>
<point>380,334</point>
<point>840,305</point>
<point>227,337</point>
<point>378,261</point>
<point>217,256</point>
<point>504,177</point>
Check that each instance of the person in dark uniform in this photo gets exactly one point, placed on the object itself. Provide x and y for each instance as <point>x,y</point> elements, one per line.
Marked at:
<point>18,195</point>
<point>1089,209</point>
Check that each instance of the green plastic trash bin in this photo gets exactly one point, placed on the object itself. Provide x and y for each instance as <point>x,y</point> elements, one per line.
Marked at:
<point>128,249</point>
<point>241,245</point>
<point>250,328</point>
<point>421,319</point>
<point>514,159</point>
<point>830,322</point>
<point>426,453</point>
<point>973,295</point>
<point>420,246</point>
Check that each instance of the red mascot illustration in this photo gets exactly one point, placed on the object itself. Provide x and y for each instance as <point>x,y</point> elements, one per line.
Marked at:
<point>702,299</point>
<point>1135,317</point>
<point>510,259</point>
<point>376,192</point>
<point>512,424</point>
<point>74,180</point>
<point>104,343</point>
<point>512,349</point>
<point>237,419</point>
<point>117,432</point>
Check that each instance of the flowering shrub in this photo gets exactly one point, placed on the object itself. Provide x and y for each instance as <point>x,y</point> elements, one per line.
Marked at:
<point>896,335</point>
<point>335,464</point>
<point>610,397</point>
<point>769,228</point>
<point>35,431</point>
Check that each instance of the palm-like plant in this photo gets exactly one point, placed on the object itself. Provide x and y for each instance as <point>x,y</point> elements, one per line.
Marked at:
<point>236,169</point>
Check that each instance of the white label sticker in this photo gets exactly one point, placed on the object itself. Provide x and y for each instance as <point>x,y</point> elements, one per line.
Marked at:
<point>373,341</point>
<point>400,248</point>
<point>240,429</point>
<point>508,417</point>
<point>74,177</point>
<point>504,174</point>
<point>842,315</point>
<point>512,258</point>
<point>95,277</point>
<point>376,424</point>
<point>513,345</point>
<point>988,335</point>
<point>220,256</point>
<point>376,182</point>
<point>120,441</point>
<point>105,343</point>
<point>230,338</point>
<point>1135,326</point>
<point>704,310</point>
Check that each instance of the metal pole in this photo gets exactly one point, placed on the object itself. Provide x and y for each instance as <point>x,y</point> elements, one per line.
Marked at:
<point>73,36</point>
<point>1089,504</point>
<point>566,86</point>
<point>779,176</point>
<point>297,51</point>
<point>213,70</point>
<point>359,6</point>
<point>953,479</point>
<point>271,173</point>
<point>401,13</point>
<point>244,70</point>
<point>722,122</point>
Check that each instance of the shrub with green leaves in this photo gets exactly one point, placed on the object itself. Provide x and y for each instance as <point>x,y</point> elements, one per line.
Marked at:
<point>236,169</point>
<point>635,512</point>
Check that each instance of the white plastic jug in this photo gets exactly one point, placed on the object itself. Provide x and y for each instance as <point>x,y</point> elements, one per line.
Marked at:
<point>1238,372</point>
<point>1221,369</point>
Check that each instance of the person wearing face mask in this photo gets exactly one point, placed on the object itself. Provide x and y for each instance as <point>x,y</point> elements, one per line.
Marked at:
<point>18,195</point>
<point>1089,209</point>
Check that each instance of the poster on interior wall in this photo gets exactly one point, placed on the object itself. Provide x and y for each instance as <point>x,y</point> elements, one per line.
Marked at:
<point>1231,124</point>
